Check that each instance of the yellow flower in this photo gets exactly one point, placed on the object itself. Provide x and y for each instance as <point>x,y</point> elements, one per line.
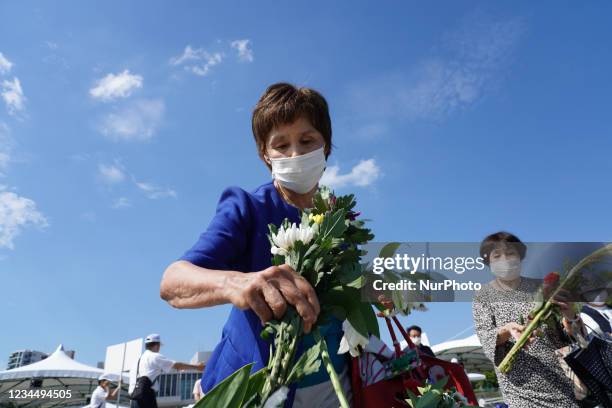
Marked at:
<point>318,219</point>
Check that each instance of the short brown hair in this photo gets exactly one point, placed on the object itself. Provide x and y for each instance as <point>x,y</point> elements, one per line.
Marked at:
<point>283,103</point>
<point>501,239</point>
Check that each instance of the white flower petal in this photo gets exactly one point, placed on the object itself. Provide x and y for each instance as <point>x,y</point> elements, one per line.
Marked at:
<point>351,340</point>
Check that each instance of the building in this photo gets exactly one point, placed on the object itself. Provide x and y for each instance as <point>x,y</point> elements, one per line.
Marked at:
<point>22,358</point>
<point>176,388</point>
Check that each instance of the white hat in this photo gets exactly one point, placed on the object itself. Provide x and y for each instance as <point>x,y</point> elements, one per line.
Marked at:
<point>153,338</point>
<point>105,376</point>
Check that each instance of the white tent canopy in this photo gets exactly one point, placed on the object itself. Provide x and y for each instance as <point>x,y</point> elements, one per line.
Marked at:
<point>58,364</point>
<point>468,350</point>
<point>58,371</point>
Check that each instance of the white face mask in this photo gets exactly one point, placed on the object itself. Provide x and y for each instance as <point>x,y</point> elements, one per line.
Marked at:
<point>300,173</point>
<point>416,340</point>
<point>507,269</point>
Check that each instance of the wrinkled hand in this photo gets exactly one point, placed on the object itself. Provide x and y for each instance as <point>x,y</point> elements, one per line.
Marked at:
<point>268,292</point>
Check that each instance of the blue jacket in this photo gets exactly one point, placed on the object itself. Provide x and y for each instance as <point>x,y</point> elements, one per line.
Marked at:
<point>236,239</point>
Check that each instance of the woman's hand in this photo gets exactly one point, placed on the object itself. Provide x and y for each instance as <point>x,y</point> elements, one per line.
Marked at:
<point>566,307</point>
<point>513,330</point>
<point>269,291</point>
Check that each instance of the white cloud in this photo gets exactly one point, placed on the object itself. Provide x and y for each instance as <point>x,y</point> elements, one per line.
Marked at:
<point>121,202</point>
<point>6,147</point>
<point>198,60</point>
<point>363,174</point>
<point>114,174</point>
<point>245,53</point>
<point>116,86</point>
<point>137,121</point>
<point>111,173</point>
<point>5,64</point>
<point>12,95</point>
<point>469,62</point>
<point>153,192</point>
<point>16,213</point>
<point>52,45</point>
<point>188,55</point>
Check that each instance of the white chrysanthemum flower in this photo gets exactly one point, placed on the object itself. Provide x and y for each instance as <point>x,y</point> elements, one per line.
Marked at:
<point>351,340</point>
<point>285,238</point>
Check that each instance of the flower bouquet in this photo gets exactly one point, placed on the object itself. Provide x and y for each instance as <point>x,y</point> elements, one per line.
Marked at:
<point>546,311</point>
<point>324,248</point>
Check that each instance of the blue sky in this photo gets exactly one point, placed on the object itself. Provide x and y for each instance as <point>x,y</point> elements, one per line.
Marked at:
<point>121,124</point>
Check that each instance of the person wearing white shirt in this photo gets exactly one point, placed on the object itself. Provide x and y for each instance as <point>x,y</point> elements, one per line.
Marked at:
<point>197,390</point>
<point>596,314</point>
<point>151,364</point>
<point>102,393</point>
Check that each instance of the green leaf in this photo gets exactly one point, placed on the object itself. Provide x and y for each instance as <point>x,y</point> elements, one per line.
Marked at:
<point>441,383</point>
<point>359,314</point>
<point>230,392</point>
<point>267,333</point>
<point>319,204</point>
<point>357,283</point>
<point>308,363</point>
<point>255,384</point>
<point>278,260</point>
<point>413,398</point>
<point>389,250</point>
<point>319,264</point>
<point>428,400</point>
<point>357,321</point>
<point>370,319</point>
<point>333,225</point>
<point>348,273</point>
<point>311,249</point>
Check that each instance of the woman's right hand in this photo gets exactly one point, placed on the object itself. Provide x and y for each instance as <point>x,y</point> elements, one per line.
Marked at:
<point>269,291</point>
<point>513,330</point>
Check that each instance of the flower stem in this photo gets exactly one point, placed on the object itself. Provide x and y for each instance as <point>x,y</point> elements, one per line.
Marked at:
<point>287,363</point>
<point>330,369</point>
<point>506,363</point>
<point>273,365</point>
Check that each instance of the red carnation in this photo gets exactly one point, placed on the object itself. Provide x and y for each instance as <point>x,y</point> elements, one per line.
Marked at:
<point>551,278</point>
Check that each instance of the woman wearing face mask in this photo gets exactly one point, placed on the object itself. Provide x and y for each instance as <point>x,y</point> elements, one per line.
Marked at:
<point>231,261</point>
<point>500,310</point>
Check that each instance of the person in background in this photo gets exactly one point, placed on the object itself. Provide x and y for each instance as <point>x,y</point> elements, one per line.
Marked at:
<point>197,390</point>
<point>455,360</point>
<point>151,364</point>
<point>415,336</point>
<point>499,310</point>
<point>596,314</point>
<point>102,392</point>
